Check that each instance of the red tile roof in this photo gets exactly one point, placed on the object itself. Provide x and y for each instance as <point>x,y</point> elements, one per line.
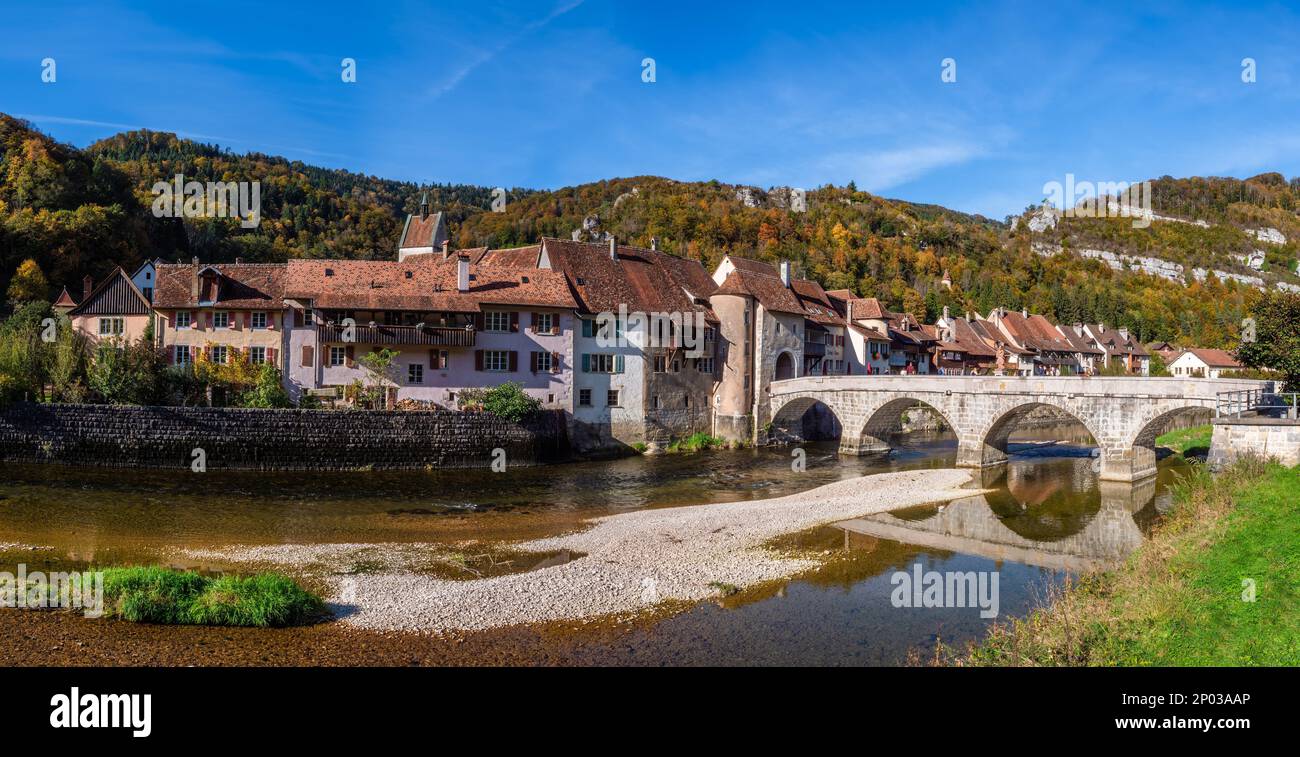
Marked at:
<point>424,283</point>
<point>65,300</point>
<point>242,286</point>
<point>1215,358</point>
<point>644,280</point>
<point>419,232</point>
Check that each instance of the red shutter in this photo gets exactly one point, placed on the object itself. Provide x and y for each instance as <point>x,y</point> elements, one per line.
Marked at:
<point>194,320</point>
<point>514,360</point>
<point>239,320</point>
<point>442,359</point>
<point>207,320</point>
<point>298,320</point>
<point>270,355</point>
<point>478,321</point>
<point>533,358</point>
<point>350,352</point>
<point>433,359</point>
<point>514,321</point>
<point>307,357</point>
<point>536,318</point>
<point>270,321</point>
<point>555,362</point>
<point>478,360</point>
<point>171,356</point>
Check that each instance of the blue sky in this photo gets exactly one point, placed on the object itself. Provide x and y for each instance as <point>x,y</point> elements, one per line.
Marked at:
<point>549,93</point>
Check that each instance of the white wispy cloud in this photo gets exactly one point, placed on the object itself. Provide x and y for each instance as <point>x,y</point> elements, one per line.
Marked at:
<point>486,55</point>
<point>884,169</point>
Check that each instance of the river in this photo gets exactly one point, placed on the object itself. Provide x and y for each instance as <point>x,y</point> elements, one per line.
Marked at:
<point>1048,515</point>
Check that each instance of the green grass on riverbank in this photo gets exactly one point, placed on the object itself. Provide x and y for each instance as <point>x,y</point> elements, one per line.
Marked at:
<point>1218,583</point>
<point>161,595</point>
<point>1188,441</point>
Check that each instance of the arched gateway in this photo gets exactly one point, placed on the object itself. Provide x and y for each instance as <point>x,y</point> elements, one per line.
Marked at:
<point>1123,414</point>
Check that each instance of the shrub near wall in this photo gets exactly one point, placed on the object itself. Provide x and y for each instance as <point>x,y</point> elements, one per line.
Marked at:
<point>235,438</point>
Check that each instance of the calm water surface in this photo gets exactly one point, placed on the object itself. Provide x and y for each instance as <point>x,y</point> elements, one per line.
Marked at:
<point>1048,515</point>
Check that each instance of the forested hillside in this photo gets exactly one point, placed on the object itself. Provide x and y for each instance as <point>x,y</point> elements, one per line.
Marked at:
<point>82,211</point>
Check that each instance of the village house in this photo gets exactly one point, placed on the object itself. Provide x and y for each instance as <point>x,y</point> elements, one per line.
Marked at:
<point>221,312</point>
<point>652,378</point>
<point>454,325</point>
<point>867,350</point>
<point>910,346</point>
<point>1123,350</point>
<point>1041,350</point>
<point>115,311</point>
<point>1087,353</point>
<point>961,349</point>
<point>1198,362</point>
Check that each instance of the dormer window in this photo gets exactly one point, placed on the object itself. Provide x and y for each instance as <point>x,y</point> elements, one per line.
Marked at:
<point>329,271</point>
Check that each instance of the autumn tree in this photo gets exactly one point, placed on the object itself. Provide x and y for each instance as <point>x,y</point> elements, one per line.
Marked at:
<point>28,284</point>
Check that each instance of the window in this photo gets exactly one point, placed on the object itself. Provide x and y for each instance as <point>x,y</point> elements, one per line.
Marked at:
<point>496,360</point>
<point>657,403</point>
<point>148,293</point>
<point>221,320</point>
<point>496,320</point>
<point>415,373</point>
<point>218,354</point>
<point>542,362</point>
<point>704,365</point>
<point>338,355</point>
<point>584,397</point>
<point>611,398</point>
<point>600,363</point>
<point>257,355</point>
<point>259,320</point>
<point>110,326</point>
<point>183,319</point>
<point>544,323</point>
<point>182,354</point>
<point>661,364</point>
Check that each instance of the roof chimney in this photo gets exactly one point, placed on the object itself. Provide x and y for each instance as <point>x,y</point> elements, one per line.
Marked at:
<point>1123,333</point>
<point>424,206</point>
<point>613,248</point>
<point>785,273</point>
<point>1024,313</point>
<point>87,284</point>
<point>654,243</point>
<point>446,249</point>
<point>239,261</point>
<point>462,273</point>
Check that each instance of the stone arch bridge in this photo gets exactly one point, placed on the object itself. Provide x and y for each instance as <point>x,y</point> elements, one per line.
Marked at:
<point>1124,415</point>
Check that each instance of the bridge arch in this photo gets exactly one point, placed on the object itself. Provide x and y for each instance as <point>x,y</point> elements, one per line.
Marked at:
<point>791,422</point>
<point>886,421</point>
<point>1143,441</point>
<point>988,446</point>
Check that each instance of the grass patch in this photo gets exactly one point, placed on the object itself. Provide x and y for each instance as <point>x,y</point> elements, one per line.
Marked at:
<point>1182,598</point>
<point>1188,441</point>
<point>697,442</point>
<point>725,589</point>
<point>173,597</point>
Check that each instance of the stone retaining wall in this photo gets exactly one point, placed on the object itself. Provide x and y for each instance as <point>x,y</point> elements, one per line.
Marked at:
<point>232,438</point>
<point>1264,437</point>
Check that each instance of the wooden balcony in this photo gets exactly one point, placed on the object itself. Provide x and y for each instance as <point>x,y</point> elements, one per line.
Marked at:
<point>426,336</point>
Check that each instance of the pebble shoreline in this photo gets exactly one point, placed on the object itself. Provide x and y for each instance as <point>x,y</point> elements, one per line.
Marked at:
<point>634,561</point>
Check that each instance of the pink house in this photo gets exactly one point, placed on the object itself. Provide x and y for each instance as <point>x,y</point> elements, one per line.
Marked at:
<point>454,324</point>
<point>115,311</point>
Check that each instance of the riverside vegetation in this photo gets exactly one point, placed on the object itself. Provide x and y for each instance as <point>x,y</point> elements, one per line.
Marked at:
<point>1215,585</point>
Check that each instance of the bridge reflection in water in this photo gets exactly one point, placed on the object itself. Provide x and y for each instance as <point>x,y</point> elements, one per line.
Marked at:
<point>1052,514</point>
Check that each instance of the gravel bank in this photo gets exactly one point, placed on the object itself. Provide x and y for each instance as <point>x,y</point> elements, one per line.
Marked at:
<point>633,561</point>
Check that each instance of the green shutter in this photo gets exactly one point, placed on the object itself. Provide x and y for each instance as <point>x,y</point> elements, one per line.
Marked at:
<point>618,363</point>
<point>588,328</point>
<point>586,360</point>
